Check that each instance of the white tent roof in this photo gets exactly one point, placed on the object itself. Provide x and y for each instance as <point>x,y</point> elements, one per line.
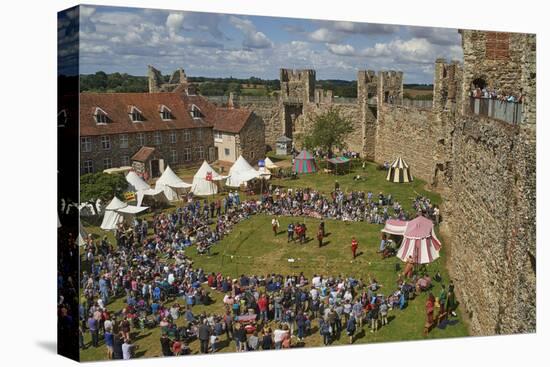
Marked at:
<point>116,204</point>
<point>240,172</point>
<point>82,235</point>
<point>137,183</point>
<point>202,186</point>
<point>169,178</point>
<point>269,163</point>
<point>117,211</point>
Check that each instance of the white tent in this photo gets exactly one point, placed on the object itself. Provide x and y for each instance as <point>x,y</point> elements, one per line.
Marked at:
<point>136,183</point>
<point>171,184</point>
<point>240,172</point>
<point>204,181</point>
<point>142,189</point>
<point>118,211</point>
<point>82,235</point>
<point>269,163</point>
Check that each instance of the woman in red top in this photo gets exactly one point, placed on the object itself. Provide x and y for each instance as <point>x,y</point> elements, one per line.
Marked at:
<point>354,246</point>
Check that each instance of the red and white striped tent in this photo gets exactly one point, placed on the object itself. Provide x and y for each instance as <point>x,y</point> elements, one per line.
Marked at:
<point>395,226</point>
<point>419,242</point>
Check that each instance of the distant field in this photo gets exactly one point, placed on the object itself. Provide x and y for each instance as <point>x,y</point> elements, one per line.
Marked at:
<point>415,93</point>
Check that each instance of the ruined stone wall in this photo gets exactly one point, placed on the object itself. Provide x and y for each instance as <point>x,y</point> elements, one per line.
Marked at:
<point>411,133</point>
<point>491,219</point>
<point>270,112</point>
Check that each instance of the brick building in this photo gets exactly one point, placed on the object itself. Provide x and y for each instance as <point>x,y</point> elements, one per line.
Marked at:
<point>116,126</point>
<point>239,131</point>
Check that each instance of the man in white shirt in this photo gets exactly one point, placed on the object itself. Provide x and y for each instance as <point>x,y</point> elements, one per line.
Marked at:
<point>127,349</point>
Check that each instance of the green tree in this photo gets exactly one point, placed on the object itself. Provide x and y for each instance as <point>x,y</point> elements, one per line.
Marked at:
<point>102,186</point>
<point>329,131</point>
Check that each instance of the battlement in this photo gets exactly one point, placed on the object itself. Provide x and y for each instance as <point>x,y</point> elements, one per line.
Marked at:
<point>447,85</point>
<point>390,87</point>
<point>297,85</point>
<point>367,83</point>
<point>156,81</point>
<point>296,75</point>
<point>323,96</point>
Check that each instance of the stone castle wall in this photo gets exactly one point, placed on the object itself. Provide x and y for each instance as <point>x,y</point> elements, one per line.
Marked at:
<point>490,215</point>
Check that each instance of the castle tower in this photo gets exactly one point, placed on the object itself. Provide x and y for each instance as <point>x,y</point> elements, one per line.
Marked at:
<point>366,85</point>
<point>447,85</point>
<point>297,85</point>
<point>390,87</point>
<point>155,79</point>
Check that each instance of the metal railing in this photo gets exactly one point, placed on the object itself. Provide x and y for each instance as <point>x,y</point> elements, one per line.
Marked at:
<point>496,109</point>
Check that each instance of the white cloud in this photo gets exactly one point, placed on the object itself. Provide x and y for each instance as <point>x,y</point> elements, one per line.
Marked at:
<point>86,11</point>
<point>342,50</point>
<point>253,38</point>
<point>174,22</point>
<point>324,35</point>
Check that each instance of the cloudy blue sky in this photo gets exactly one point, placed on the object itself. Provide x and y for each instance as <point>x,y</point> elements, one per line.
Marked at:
<point>221,45</point>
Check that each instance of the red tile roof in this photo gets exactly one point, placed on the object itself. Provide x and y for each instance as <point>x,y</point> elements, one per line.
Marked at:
<point>143,154</point>
<point>231,120</point>
<point>116,105</point>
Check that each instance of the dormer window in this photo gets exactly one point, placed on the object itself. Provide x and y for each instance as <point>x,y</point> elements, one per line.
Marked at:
<point>100,116</point>
<point>165,113</point>
<point>135,114</point>
<point>196,112</point>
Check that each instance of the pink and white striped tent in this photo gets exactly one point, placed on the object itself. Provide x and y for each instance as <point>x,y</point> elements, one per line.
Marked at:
<point>395,226</point>
<point>419,242</point>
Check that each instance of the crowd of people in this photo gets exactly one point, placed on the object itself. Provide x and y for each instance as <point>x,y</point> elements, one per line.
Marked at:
<point>492,93</point>
<point>160,284</point>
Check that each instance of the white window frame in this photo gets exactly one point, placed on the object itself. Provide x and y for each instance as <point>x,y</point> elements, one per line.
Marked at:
<point>123,140</point>
<point>173,137</point>
<point>194,111</point>
<point>87,166</point>
<point>199,134</point>
<point>100,116</point>
<point>141,139</point>
<point>186,135</point>
<point>187,156</point>
<point>105,142</point>
<point>85,144</point>
<point>135,112</point>
<point>174,156</point>
<point>157,138</point>
<point>200,152</point>
<point>107,159</point>
<point>218,136</point>
<point>124,160</point>
<point>165,113</point>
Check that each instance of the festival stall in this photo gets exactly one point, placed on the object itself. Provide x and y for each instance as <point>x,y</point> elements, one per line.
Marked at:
<point>205,181</point>
<point>339,165</point>
<point>399,171</point>
<point>240,173</point>
<point>118,211</point>
<point>419,241</point>
<point>269,164</point>
<point>142,189</point>
<point>171,184</point>
<point>304,163</point>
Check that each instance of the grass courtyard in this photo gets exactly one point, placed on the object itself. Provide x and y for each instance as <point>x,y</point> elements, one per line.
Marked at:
<point>252,248</point>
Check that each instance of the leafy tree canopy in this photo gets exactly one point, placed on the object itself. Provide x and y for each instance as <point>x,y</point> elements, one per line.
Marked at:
<point>102,186</point>
<point>329,131</point>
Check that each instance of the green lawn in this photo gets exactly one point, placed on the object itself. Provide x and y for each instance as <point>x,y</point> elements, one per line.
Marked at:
<point>253,249</point>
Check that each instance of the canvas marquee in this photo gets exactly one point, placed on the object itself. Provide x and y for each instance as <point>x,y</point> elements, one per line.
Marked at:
<point>118,211</point>
<point>142,189</point>
<point>419,242</point>
<point>240,173</point>
<point>205,181</point>
<point>399,171</point>
<point>171,184</point>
